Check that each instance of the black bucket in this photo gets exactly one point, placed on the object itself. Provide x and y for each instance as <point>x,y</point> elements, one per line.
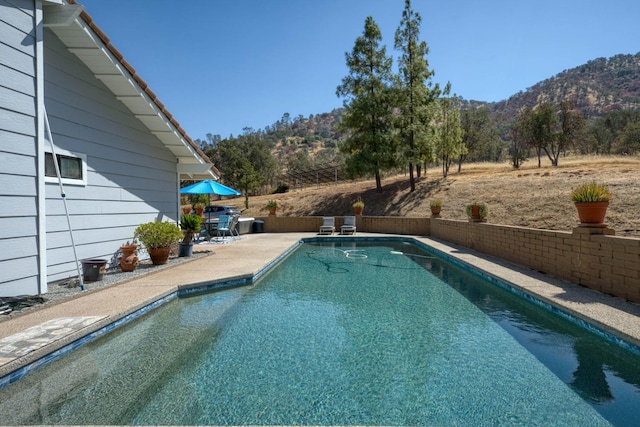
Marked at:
<point>186,250</point>
<point>93,269</point>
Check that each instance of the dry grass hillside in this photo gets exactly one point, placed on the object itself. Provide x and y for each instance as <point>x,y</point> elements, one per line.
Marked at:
<point>529,197</point>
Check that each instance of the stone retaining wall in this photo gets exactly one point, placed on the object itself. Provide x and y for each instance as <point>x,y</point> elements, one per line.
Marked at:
<point>591,257</point>
<point>369,224</point>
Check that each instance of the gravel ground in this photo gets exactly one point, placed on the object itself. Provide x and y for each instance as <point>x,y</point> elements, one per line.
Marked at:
<point>71,289</point>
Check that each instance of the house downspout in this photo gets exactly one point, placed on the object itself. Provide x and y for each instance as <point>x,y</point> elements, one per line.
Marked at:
<point>41,218</point>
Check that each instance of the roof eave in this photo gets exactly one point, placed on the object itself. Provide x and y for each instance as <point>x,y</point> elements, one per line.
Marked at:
<point>85,39</point>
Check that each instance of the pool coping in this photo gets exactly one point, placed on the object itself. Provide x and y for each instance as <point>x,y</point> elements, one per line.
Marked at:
<point>612,317</point>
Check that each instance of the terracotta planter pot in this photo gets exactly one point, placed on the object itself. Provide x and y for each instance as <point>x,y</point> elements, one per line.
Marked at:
<point>357,211</point>
<point>199,211</point>
<point>186,211</point>
<point>435,211</point>
<point>129,263</point>
<point>475,214</point>
<point>591,214</point>
<point>159,256</point>
<point>129,260</point>
<point>128,250</point>
<point>272,211</point>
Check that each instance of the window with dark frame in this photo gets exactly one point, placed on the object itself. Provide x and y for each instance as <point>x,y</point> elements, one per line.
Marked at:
<point>70,167</point>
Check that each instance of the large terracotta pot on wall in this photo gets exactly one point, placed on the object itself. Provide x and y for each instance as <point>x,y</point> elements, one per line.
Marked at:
<point>475,212</point>
<point>591,214</point>
<point>159,256</point>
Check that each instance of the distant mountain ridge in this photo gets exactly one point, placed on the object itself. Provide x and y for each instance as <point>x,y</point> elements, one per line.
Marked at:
<point>597,87</point>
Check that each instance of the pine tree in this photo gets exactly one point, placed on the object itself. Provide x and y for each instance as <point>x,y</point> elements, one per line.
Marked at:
<point>368,103</point>
<point>449,145</point>
<point>416,92</point>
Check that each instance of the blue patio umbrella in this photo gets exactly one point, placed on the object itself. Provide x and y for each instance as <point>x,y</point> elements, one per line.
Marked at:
<point>209,187</point>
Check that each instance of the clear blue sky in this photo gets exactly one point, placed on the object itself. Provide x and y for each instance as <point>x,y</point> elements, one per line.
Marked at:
<point>222,65</point>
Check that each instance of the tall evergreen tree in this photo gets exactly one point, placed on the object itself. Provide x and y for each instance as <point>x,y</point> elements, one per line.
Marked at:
<point>368,117</point>
<point>449,144</point>
<point>416,92</point>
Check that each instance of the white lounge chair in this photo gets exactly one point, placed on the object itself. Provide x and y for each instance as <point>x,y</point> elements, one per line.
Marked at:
<point>328,225</point>
<point>348,225</point>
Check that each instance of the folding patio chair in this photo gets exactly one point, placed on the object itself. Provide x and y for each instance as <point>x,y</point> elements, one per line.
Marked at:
<point>233,227</point>
<point>224,226</point>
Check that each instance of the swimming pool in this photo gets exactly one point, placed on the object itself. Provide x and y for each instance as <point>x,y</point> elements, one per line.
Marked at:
<point>383,333</point>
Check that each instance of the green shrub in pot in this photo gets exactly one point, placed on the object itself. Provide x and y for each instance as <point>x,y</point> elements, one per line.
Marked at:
<point>158,234</point>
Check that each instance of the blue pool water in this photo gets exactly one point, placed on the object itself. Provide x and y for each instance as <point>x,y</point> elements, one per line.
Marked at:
<point>341,333</point>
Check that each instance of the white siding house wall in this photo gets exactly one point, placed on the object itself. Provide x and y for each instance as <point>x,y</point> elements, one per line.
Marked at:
<point>131,176</point>
<point>19,260</point>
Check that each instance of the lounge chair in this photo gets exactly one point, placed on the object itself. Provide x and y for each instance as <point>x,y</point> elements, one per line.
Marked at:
<point>328,225</point>
<point>349,225</point>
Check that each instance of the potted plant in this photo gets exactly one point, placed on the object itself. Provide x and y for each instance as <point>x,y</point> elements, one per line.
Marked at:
<point>199,208</point>
<point>477,211</point>
<point>186,209</point>
<point>591,200</point>
<point>190,225</point>
<point>436,207</point>
<point>271,206</point>
<point>128,259</point>
<point>358,206</point>
<point>157,237</point>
